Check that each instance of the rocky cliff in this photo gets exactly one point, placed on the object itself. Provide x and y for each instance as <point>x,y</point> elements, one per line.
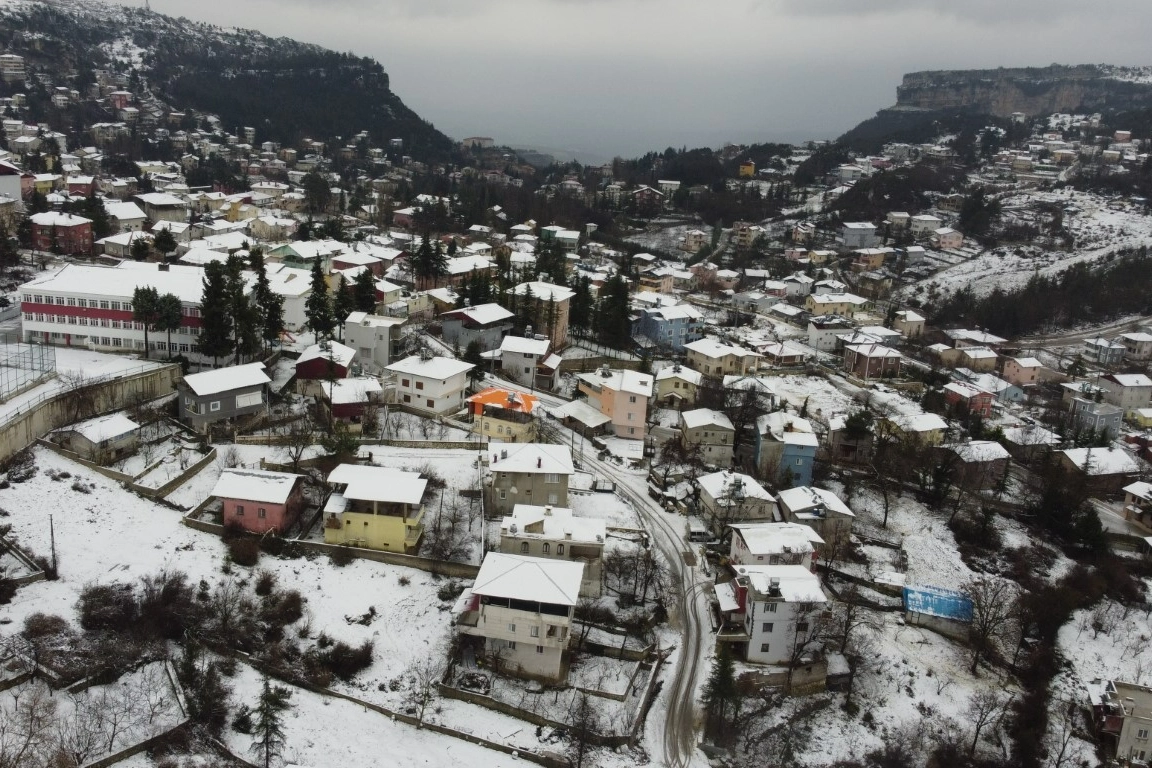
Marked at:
<point>1033,90</point>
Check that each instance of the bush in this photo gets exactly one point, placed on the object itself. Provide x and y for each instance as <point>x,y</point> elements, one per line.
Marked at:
<point>265,583</point>
<point>79,486</point>
<point>108,606</point>
<point>40,626</point>
<point>450,590</point>
<point>405,581</point>
<point>272,544</point>
<point>344,661</point>
<point>243,720</point>
<point>341,556</point>
<point>243,550</point>
<point>289,607</point>
<point>167,605</point>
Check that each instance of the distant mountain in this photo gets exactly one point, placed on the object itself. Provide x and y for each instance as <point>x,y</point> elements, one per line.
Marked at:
<point>285,89</point>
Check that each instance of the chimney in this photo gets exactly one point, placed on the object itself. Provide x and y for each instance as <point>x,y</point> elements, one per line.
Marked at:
<point>504,453</point>
<point>162,267</point>
<point>539,462</point>
<point>548,511</point>
<point>774,587</point>
<point>528,332</point>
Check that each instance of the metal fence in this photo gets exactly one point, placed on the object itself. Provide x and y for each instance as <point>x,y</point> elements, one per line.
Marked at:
<point>22,365</point>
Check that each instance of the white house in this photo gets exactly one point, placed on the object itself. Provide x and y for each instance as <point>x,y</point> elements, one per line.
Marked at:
<point>555,533</point>
<point>774,544</point>
<point>431,384</point>
<point>777,606</point>
<point>371,336</point>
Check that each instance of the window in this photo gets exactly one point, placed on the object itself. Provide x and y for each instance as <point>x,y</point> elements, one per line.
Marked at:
<point>559,549</point>
<point>527,370</point>
<point>419,385</point>
<point>261,513</point>
<point>431,403</point>
<point>103,305</point>
<point>801,626</point>
<point>404,383</point>
<point>1142,733</point>
<point>239,511</point>
<point>511,645</point>
<point>675,385</point>
<point>503,494</point>
<point>551,477</point>
<point>767,627</point>
<point>763,647</point>
<point>770,607</point>
<point>39,298</point>
<point>631,430</point>
<point>539,649</point>
<point>512,628</point>
<point>407,398</point>
<point>631,398</point>
<point>60,301</point>
<point>215,406</point>
<point>553,499</point>
<point>127,306</point>
<point>115,305</point>
<point>247,400</point>
<point>523,547</point>
<point>547,548</point>
<point>71,302</point>
<point>535,632</point>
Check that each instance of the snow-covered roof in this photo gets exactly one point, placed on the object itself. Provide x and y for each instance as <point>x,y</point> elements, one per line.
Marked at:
<point>227,379</point>
<point>525,346</point>
<point>621,381</point>
<point>1031,434</point>
<point>123,211</point>
<point>58,219</point>
<point>1027,362</point>
<point>777,538</point>
<point>532,579</point>
<point>787,428</point>
<point>369,483</point>
<point>909,316</point>
<point>329,350</point>
<point>721,485</point>
<point>797,584</point>
<point>690,375</point>
<point>964,389</point>
<point>105,427</point>
<point>805,498</point>
<point>976,337</point>
<point>255,485</point>
<point>676,312</point>
<point>581,412</point>
<point>120,281</point>
<point>979,451</point>
<point>462,265</point>
<point>481,314</point>
<point>1140,489</point>
<point>703,417</point>
<point>1137,337</point>
<point>874,350</point>
<point>715,349</point>
<point>439,368</point>
<point>352,391</point>
<point>542,290</point>
<point>532,458</point>
<point>161,199</point>
<point>1102,461</point>
<point>1129,379</point>
<point>372,321</point>
<point>554,523</point>
<point>919,422</point>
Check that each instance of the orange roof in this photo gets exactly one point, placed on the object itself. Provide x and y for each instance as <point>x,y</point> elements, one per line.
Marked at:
<point>505,398</point>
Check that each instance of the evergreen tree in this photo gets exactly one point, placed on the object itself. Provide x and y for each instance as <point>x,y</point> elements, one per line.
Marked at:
<point>473,354</point>
<point>169,313</point>
<point>364,291</point>
<point>429,261</point>
<point>612,321</point>
<point>318,307</point>
<point>273,317</point>
<point>580,308</point>
<point>452,247</point>
<point>343,304</point>
<point>139,249</point>
<point>247,323</point>
<point>145,306</point>
<point>268,727</point>
<point>163,242</point>
<point>317,193</point>
<point>216,330</point>
<point>93,209</point>
<point>527,301</point>
<point>721,696</point>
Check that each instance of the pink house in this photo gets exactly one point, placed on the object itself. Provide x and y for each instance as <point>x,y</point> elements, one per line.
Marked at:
<point>259,501</point>
<point>622,396</point>
<point>1022,371</point>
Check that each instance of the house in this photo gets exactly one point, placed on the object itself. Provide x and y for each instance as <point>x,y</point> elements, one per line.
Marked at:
<point>161,206</point>
<point>845,445</point>
<point>785,448</point>
<point>947,239</point>
<point>908,323</point>
<point>550,312</point>
<point>973,399</point>
<point>765,391</point>
<point>1124,714</point>
<point>431,384</point>
<point>528,473</point>
<point>1138,503</point>
<point>872,361</point>
<point>924,225</point>
<point>347,400</point>
<point>1029,441</point>
<point>843,304</point>
<point>774,544</point>
<point>223,394</point>
<point>528,361</point>
<point>784,355</point>
<point>1022,371</point>
<point>859,234</point>
<point>325,361</point>
<point>962,338</point>
<point>486,324</point>
<point>820,510</point>
<point>922,428</point>
<point>56,232</point>
<point>375,508</point>
<point>676,386</point>
<point>825,331</point>
<point>999,388</point>
<point>712,431</point>
<point>669,327</point>
<point>372,337</point>
<point>258,501</point>
<point>622,396</point>
<point>774,608</point>
<point>522,610</point>
<point>1129,391</point>
<point>555,533</point>
<point>1138,345</point>
<point>1105,470</point>
<point>1104,352</point>
<point>1088,415</point>
<point>103,440</point>
<point>732,497</point>
<point>978,465</point>
<point>714,358</point>
<point>126,216</point>
<point>898,219</point>
<point>980,359</point>
<point>503,414</point>
<point>945,611</point>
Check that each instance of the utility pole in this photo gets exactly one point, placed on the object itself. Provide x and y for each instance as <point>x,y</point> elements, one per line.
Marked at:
<point>52,537</point>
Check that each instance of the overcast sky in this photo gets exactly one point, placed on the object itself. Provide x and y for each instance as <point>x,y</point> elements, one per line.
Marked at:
<point>623,76</point>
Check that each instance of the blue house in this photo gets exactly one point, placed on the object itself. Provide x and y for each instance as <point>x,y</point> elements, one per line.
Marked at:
<point>669,327</point>
<point>785,449</point>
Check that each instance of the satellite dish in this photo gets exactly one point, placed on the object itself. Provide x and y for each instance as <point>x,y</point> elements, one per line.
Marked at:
<point>512,490</point>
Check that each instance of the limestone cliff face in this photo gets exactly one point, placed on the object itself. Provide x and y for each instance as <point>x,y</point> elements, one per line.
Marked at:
<point>1033,91</point>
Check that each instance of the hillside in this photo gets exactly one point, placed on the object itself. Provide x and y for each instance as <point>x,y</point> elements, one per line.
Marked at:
<point>287,90</point>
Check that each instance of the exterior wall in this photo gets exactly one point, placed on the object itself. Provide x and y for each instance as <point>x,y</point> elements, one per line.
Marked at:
<point>715,443</point>
<point>198,412</point>
<point>531,488</point>
<point>454,332</point>
<point>432,395</point>
<point>509,632</point>
<point>510,431</point>
<point>751,510</point>
<point>629,413</point>
<point>75,239</point>
<point>910,328</point>
<point>1128,398</point>
<point>261,517</point>
<point>103,453</point>
<point>673,386</point>
<point>670,334</point>
<point>718,366</point>
<point>373,344</point>
<point>364,529</point>
<point>771,627</point>
<point>866,367</point>
<point>1014,373</point>
<point>588,552</point>
<point>520,367</point>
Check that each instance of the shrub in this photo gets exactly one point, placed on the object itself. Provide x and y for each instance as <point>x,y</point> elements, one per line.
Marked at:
<point>272,544</point>
<point>78,485</point>
<point>450,590</point>
<point>243,720</point>
<point>108,606</point>
<point>344,661</point>
<point>244,550</point>
<point>341,556</point>
<point>41,626</point>
<point>167,605</point>
<point>265,583</point>
<point>405,581</point>
<point>289,607</point>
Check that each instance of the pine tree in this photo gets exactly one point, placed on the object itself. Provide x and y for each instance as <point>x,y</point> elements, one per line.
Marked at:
<point>364,292</point>
<point>269,725</point>
<point>247,323</point>
<point>138,250</point>
<point>216,328</point>
<point>429,261</point>
<point>721,696</point>
<point>474,354</point>
<point>145,306</point>
<point>169,313</point>
<point>163,242</point>
<point>273,317</point>
<point>318,307</point>
<point>580,309</point>
<point>101,223</point>
<point>343,305</point>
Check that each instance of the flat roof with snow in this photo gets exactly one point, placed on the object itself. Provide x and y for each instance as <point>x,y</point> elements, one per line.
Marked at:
<point>555,523</point>
<point>795,582</point>
<point>777,538</point>
<point>439,368</point>
<point>105,428</point>
<point>370,483</point>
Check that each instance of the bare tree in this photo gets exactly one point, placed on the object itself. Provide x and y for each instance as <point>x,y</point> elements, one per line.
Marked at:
<point>993,615</point>
<point>27,716</point>
<point>423,677</point>
<point>986,708</point>
<point>809,626</point>
<point>584,722</point>
<point>298,438</point>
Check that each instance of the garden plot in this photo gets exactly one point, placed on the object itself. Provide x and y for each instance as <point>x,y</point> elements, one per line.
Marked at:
<point>614,510</point>
<point>821,396</point>
<point>603,673</point>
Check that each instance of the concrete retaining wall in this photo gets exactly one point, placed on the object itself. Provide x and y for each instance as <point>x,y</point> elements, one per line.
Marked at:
<point>128,480</point>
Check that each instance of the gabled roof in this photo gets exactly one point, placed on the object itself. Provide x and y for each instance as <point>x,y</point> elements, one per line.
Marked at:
<point>227,379</point>
<point>542,290</point>
<point>714,349</point>
<point>532,458</point>
<point>351,391</point>
<point>805,498</point>
<point>439,368</point>
<point>1102,461</point>
<point>679,372</point>
<point>979,451</point>
<point>255,485</point>
<point>532,579</point>
<point>1129,379</point>
<point>329,350</point>
<point>621,381</point>
<point>703,417</point>
<point>525,346</point>
<point>506,398</point>
<point>105,427</point>
<point>481,314</point>
<point>721,485</point>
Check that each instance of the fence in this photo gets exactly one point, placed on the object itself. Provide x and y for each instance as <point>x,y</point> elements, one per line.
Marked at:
<point>130,481</point>
<point>35,572</point>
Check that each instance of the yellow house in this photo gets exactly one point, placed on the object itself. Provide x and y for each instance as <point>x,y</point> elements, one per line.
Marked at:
<point>714,358</point>
<point>843,304</point>
<point>375,508</point>
<point>1142,417</point>
<point>504,415</point>
<point>676,386</point>
<point>747,169</point>
<point>927,429</point>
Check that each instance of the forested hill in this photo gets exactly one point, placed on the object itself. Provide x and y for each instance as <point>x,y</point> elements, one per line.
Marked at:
<point>286,89</point>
